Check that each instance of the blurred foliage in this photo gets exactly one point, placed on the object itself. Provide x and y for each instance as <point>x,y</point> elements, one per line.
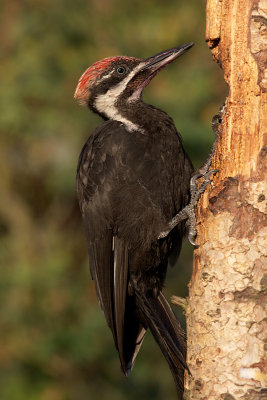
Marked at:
<point>55,343</point>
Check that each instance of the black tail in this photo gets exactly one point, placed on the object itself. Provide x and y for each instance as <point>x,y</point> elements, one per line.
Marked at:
<point>168,333</point>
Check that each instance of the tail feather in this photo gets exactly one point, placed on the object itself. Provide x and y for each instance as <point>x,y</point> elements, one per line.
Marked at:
<point>169,335</point>
<point>133,335</point>
<point>175,329</point>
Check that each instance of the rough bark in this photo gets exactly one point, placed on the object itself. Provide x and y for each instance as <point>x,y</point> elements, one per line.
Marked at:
<point>226,313</point>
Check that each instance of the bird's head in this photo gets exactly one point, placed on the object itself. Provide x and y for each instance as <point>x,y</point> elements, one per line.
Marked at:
<point>121,79</point>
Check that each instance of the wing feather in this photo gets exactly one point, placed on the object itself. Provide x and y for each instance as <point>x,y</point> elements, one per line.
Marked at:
<point>120,267</point>
<point>101,266</point>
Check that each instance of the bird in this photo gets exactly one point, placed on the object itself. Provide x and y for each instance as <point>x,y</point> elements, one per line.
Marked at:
<point>133,178</point>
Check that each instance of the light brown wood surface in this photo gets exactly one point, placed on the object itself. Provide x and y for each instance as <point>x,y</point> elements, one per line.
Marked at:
<point>226,313</point>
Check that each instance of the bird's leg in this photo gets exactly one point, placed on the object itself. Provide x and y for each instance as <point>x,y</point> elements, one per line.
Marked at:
<point>188,212</point>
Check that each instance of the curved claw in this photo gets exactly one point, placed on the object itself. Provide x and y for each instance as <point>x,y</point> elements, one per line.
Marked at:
<point>192,233</point>
<point>193,181</point>
<point>191,226</point>
<point>191,240</point>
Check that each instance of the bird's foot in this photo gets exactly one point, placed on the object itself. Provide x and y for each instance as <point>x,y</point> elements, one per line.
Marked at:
<point>188,212</point>
<point>196,192</point>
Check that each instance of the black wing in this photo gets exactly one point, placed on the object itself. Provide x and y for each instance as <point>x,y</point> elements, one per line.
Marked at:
<point>100,165</point>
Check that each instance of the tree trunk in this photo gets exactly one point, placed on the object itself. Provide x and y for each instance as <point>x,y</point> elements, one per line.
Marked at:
<point>226,318</point>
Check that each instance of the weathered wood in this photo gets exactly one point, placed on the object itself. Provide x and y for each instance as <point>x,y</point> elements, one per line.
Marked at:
<point>226,313</point>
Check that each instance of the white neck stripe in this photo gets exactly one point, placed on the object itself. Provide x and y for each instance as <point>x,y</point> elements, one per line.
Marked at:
<point>105,103</point>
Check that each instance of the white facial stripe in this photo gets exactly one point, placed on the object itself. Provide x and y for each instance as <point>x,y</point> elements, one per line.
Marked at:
<point>107,75</point>
<point>105,103</point>
<point>117,90</point>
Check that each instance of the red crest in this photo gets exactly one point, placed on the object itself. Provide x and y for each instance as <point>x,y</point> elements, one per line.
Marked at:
<point>91,74</point>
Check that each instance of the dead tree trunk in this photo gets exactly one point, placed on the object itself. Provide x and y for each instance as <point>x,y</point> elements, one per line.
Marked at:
<point>226,314</point>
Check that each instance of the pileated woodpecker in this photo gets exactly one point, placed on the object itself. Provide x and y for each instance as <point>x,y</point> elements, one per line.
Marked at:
<point>133,177</point>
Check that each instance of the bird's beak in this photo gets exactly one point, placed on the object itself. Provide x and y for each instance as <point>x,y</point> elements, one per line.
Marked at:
<point>160,60</point>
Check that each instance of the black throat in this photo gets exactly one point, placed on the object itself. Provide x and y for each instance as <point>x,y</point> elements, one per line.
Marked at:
<point>149,118</point>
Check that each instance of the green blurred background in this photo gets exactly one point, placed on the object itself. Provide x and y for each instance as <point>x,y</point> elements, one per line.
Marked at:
<point>54,341</point>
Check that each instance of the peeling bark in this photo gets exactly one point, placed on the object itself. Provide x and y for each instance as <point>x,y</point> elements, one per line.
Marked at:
<point>226,313</point>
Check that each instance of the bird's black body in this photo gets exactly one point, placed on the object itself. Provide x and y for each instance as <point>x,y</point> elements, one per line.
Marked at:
<point>131,182</point>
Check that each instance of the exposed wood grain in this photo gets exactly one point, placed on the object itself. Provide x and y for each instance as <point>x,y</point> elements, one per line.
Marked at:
<point>226,315</point>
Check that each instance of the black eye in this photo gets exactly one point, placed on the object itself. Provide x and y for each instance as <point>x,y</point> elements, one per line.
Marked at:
<point>121,70</point>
